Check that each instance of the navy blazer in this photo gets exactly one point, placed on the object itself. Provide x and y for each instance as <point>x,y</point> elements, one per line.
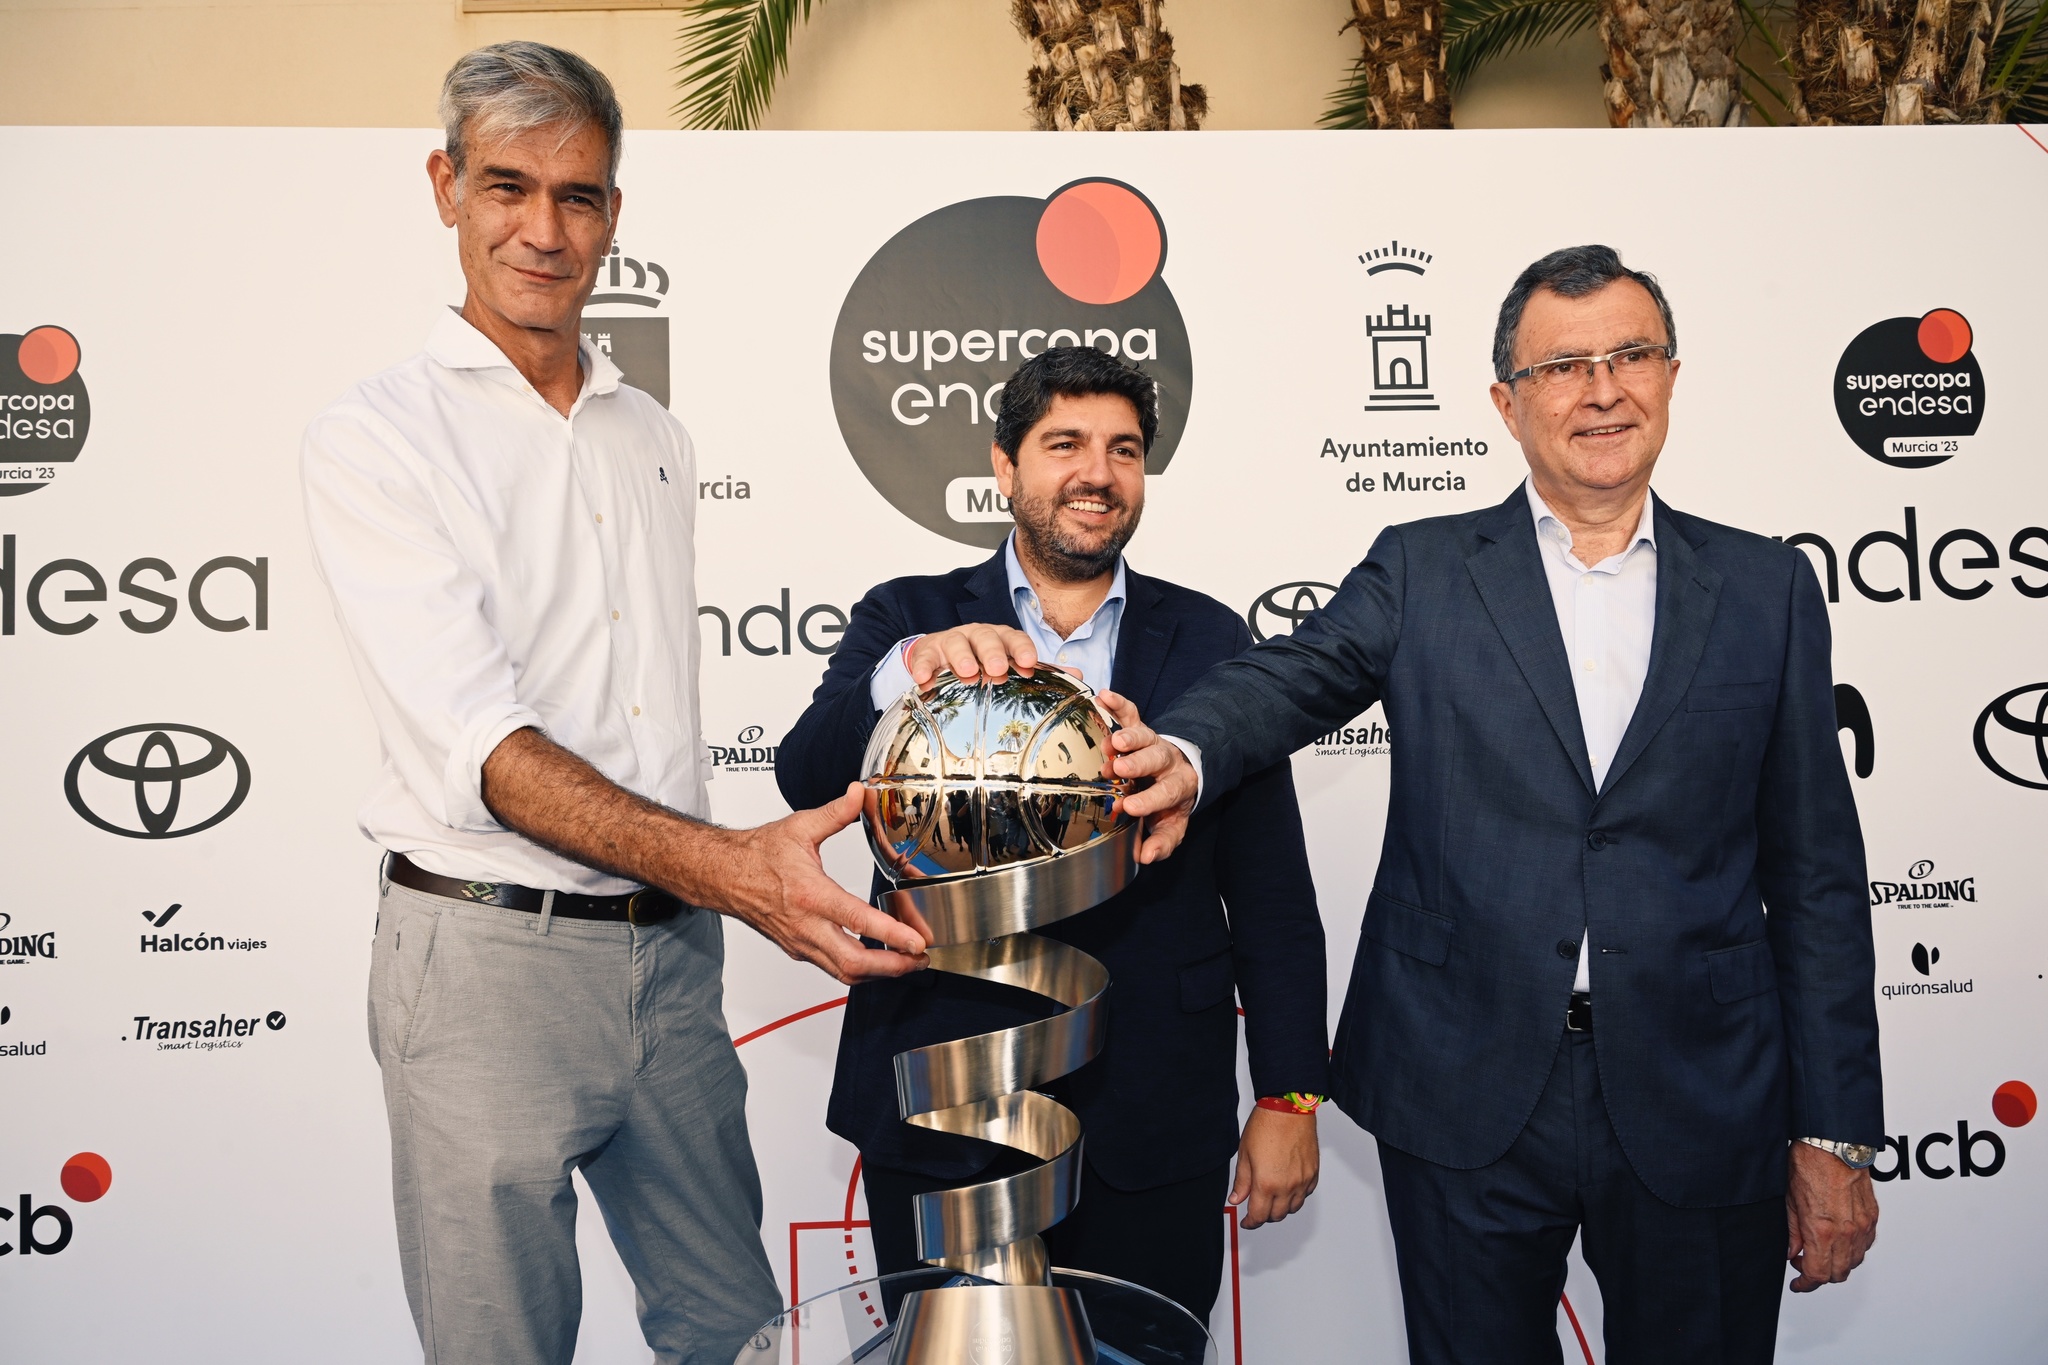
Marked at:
<point>1721,1031</point>
<point>1232,915</point>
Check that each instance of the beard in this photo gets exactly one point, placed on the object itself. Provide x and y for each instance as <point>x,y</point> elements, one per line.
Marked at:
<point>1067,557</point>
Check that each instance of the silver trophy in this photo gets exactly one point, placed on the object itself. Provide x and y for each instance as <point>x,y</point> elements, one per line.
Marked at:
<point>992,810</point>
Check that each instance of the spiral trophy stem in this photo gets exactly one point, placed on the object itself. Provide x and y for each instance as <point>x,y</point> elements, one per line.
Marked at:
<point>993,809</point>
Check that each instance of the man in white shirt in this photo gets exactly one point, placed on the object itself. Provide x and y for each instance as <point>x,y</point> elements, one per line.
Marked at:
<point>1614,979</point>
<point>506,530</point>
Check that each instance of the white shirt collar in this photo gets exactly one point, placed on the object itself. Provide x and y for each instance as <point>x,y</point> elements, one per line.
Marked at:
<point>1539,512</point>
<point>458,345</point>
<point>1020,583</point>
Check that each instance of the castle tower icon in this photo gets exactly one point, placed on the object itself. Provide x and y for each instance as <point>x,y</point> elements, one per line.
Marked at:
<point>1400,362</point>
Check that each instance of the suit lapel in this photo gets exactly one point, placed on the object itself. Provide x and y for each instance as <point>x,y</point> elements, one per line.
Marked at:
<point>1142,640</point>
<point>1688,592</point>
<point>1508,571</point>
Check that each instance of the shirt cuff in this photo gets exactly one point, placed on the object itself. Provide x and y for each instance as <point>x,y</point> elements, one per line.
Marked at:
<point>1194,754</point>
<point>464,777</point>
<point>891,678</point>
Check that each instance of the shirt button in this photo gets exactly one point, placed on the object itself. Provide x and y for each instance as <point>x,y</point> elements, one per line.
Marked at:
<point>1567,947</point>
<point>615,616</point>
<point>600,518</point>
<point>1583,578</point>
<point>636,710</point>
<point>1589,663</point>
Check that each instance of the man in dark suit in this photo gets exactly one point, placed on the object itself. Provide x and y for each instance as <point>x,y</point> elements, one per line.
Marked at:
<point>1615,751</point>
<point>1233,918</point>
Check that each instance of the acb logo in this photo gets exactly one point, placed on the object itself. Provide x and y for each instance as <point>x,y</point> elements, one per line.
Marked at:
<point>45,1229</point>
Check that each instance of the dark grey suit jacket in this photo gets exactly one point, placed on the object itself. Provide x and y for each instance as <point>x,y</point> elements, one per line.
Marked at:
<point>1722,1030</point>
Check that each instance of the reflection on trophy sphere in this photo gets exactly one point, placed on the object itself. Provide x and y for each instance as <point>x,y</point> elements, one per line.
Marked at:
<point>971,777</point>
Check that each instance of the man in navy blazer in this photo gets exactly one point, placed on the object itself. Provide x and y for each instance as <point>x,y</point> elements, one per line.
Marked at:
<point>1234,917</point>
<point>1616,963</point>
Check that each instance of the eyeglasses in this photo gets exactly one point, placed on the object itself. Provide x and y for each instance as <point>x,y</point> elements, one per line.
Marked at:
<point>1633,364</point>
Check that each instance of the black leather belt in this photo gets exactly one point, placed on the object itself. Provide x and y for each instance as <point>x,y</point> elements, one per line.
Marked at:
<point>648,906</point>
<point>1578,1013</point>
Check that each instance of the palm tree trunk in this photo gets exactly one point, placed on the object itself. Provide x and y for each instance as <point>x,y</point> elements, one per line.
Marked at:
<point>1105,65</point>
<point>1671,63</point>
<point>1404,62</point>
<point>1896,61</point>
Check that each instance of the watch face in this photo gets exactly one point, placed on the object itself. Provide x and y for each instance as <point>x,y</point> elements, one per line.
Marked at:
<point>1857,1155</point>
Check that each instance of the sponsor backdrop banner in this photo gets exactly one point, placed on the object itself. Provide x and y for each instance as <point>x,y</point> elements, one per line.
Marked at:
<point>194,1162</point>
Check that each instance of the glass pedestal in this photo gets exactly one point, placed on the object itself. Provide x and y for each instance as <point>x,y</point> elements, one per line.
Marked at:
<point>855,1324</point>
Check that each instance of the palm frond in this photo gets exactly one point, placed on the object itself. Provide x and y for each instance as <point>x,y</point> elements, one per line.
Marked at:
<point>1351,102</point>
<point>2019,57</point>
<point>732,53</point>
<point>1475,32</point>
<point>1480,31</point>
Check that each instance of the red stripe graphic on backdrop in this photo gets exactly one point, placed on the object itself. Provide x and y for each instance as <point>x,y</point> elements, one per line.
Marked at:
<point>746,1038</point>
<point>2030,137</point>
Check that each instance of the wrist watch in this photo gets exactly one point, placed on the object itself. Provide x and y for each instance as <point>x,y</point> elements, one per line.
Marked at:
<point>1854,1154</point>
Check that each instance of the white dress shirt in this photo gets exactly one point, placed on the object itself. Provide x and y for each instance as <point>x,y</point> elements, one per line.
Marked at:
<point>496,565</point>
<point>1607,614</point>
<point>1090,651</point>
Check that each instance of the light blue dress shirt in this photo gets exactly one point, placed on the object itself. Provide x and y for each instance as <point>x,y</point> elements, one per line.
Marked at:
<point>1090,651</point>
<point>1607,614</point>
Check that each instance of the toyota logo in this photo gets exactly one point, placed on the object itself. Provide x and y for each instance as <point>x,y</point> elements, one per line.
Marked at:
<point>2001,710</point>
<point>152,765</point>
<point>1287,606</point>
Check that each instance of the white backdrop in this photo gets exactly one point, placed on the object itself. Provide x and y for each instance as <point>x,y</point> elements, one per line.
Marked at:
<point>225,284</point>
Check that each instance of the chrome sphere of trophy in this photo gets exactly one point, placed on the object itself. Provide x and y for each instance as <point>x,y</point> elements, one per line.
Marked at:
<point>992,810</point>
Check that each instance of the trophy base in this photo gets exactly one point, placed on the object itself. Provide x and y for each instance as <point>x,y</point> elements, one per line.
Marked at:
<point>914,1318</point>
<point>992,1324</point>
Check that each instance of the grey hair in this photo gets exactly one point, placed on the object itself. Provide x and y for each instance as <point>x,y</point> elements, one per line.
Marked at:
<point>507,89</point>
<point>1574,272</point>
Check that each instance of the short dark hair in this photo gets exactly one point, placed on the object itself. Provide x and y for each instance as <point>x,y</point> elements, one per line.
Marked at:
<point>1573,272</point>
<point>1071,372</point>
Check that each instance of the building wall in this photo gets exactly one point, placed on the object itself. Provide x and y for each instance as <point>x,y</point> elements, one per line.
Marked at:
<point>942,64</point>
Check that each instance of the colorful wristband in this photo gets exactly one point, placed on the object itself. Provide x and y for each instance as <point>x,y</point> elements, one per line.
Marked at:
<point>1293,1102</point>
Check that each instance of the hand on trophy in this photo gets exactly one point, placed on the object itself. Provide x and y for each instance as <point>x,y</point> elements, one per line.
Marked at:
<point>1167,802</point>
<point>971,651</point>
<point>780,887</point>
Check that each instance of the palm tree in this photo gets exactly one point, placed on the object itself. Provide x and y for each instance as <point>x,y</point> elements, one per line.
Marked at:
<point>1399,80</point>
<point>1100,65</point>
<point>1095,64</point>
<point>1931,61</point>
<point>1464,36</point>
<point>1672,63</point>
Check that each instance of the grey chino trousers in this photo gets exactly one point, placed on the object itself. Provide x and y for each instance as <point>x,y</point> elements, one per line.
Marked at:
<point>515,1052</point>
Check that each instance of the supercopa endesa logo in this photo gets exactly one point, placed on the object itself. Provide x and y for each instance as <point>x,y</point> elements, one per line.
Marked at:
<point>1909,390</point>
<point>44,411</point>
<point>946,310</point>
<point>157,781</point>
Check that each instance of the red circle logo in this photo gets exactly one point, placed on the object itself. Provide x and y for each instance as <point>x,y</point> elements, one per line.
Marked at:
<point>1100,242</point>
<point>1945,336</point>
<point>48,355</point>
<point>87,1176</point>
<point>2013,1104</point>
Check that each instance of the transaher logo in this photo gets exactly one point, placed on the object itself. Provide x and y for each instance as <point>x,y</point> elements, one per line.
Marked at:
<point>948,308</point>
<point>44,411</point>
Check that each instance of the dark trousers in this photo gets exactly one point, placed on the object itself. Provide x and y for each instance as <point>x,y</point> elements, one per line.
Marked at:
<point>1482,1253</point>
<point>1168,1239</point>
